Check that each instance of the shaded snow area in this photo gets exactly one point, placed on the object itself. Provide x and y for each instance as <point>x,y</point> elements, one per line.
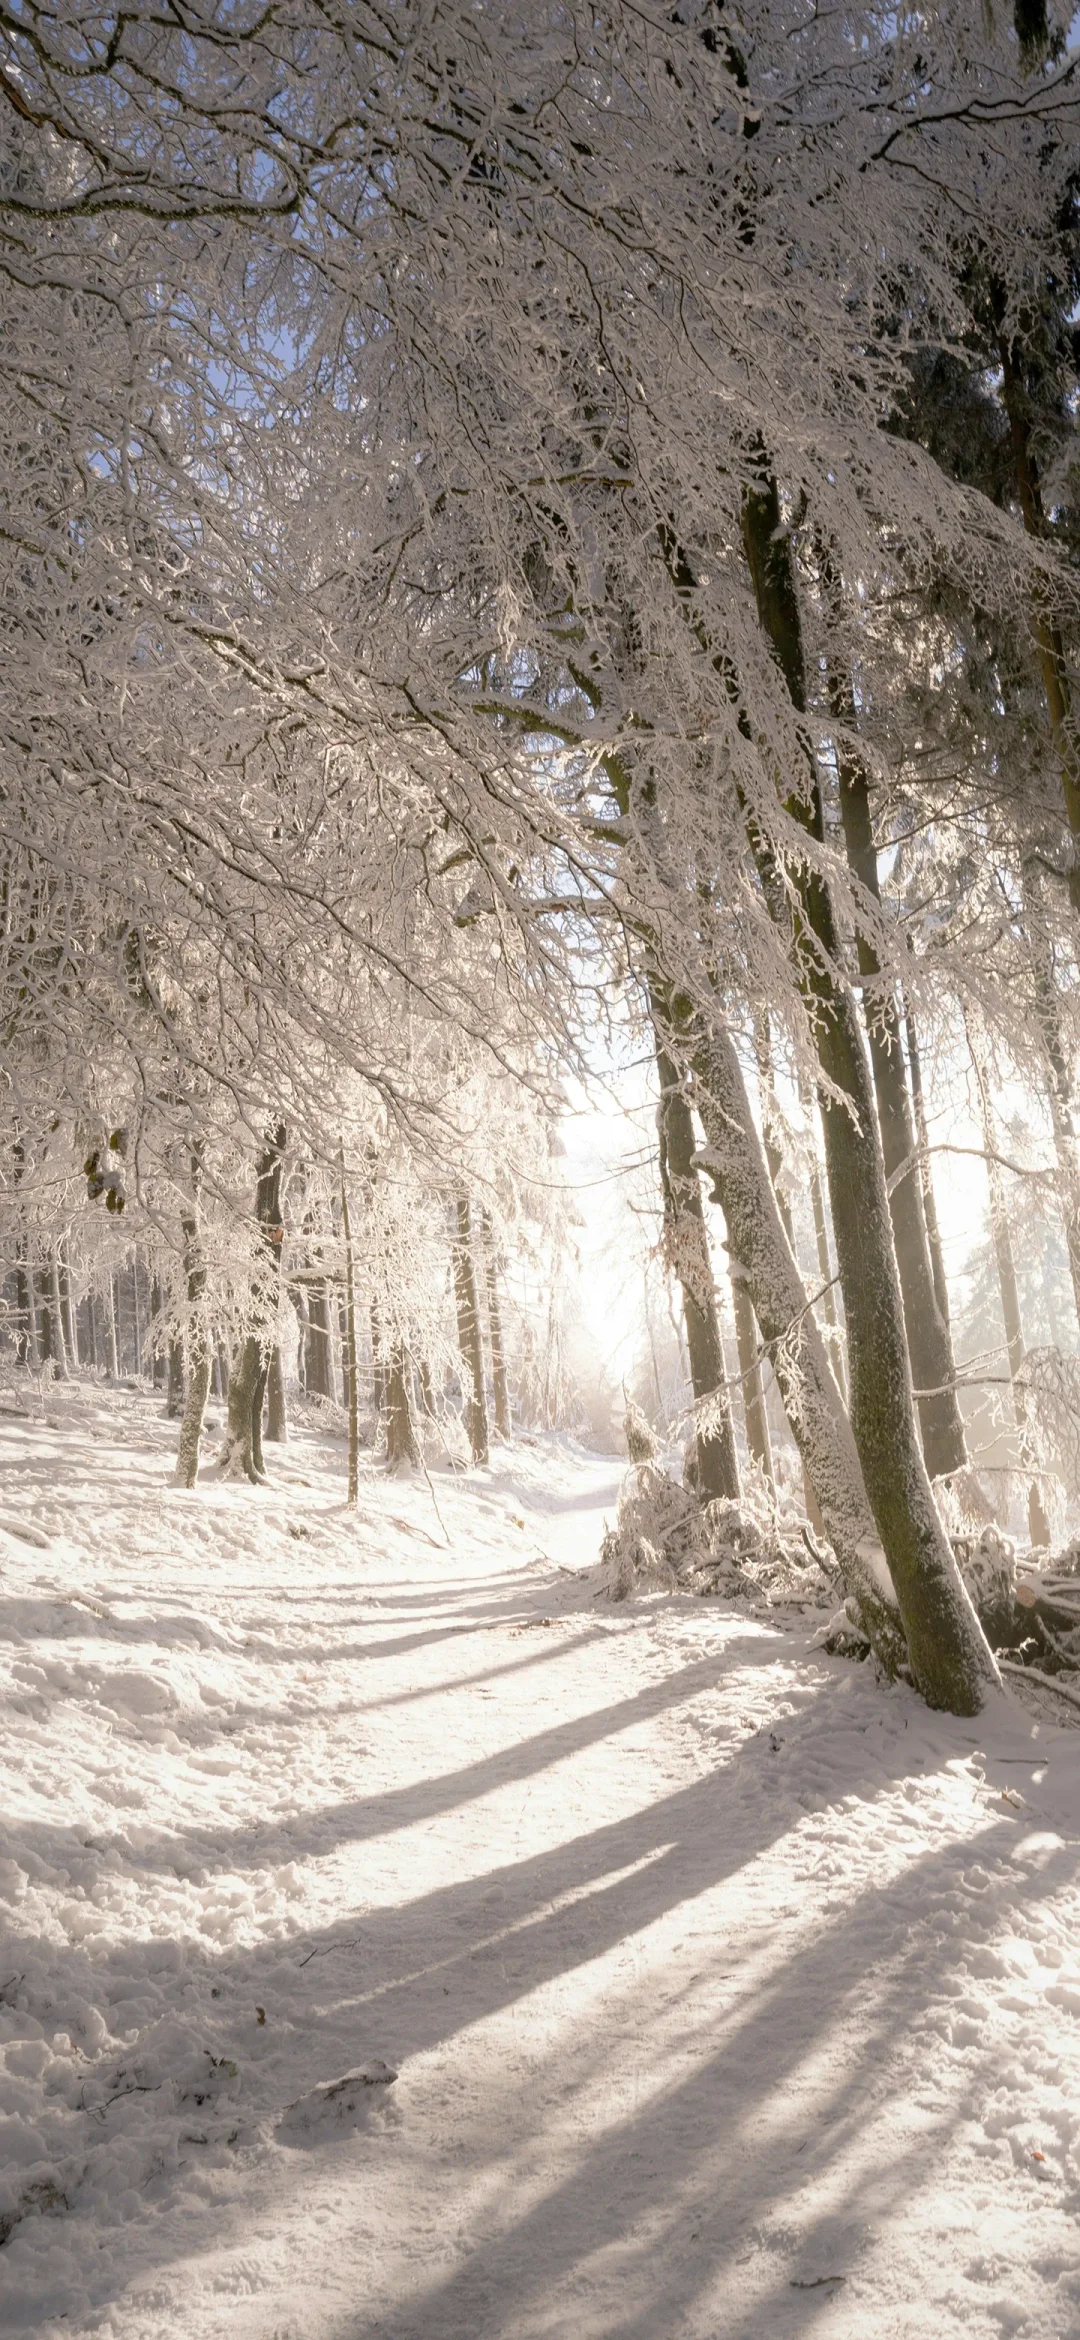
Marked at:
<point>400,1939</point>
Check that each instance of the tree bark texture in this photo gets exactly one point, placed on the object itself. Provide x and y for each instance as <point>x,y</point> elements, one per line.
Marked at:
<point>318,1360</point>
<point>929,1345</point>
<point>499,1386</point>
<point>687,1247</point>
<point>352,1377</point>
<point>755,1418</point>
<point>950,1658</point>
<point>378,1367</point>
<point>926,1176</point>
<point>1016,1347</point>
<point>1053,666</point>
<point>277,1424</point>
<point>402,1449</point>
<point>762,1255</point>
<point>242,1452</point>
<point>775,1159</point>
<point>199,1344</point>
<point>469,1336</point>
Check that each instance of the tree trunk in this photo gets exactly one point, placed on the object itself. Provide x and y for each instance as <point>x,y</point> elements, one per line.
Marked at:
<point>136,1332</point>
<point>834,1340</point>
<point>242,1452</point>
<point>951,1661</point>
<point>775,1160</point>
<point>378,1369</point>
<point>764,1267</point>
<point>46,1336</point>
<point>199,1345</point>
<point>929,1346</point>
<point>112,1352</point>
<point>318,1360</point>
<point>67,1313</point>
<point>352,1375</point>
<point>687,1247</point>
<point>469,1338</point>
<point>277,1427</point>
<point>402,1450</point>
<point>1053,666</point>
<point>495,1331</point>
<point>1059,1086</point>
<point>174,1388</point>
<point>926,1176</point>
<point>299,1301</point>
<point>241,1455</point>
<point>25,1327</point>
<point>56,1319</point>
<point>1038,1526</point>
<point>755,1418</point>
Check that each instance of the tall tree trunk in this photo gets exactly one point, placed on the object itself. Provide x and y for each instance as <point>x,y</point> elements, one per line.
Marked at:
<point>687,1248</point>
<point>352,1373</point>
<point>926,1176</point>
<point>402,1450</point>
<point>112,1348</point>
<point>56,1318</point>
<point>299,1301</point>
<point>500,1390</point>
<point>344,1354</point>
<point>26,1333</point>
<point>277,1424</point>
<point>1053,666</point>
<point>951,1661</point>
<point>318,1360</point>
<point>755,1418</point>
<point>469,1338</point>
<point>1016,1347</point>
<point>775,1160</point>
<point>378,1369</point>
<point>25,1326</point>
<point>764,1266</point>
<point>1058,1085</point>
<point>198,1340</point>
<point>174,1387</point>
<point>929,1345</point>
<point>158,1367</point>
<point>136,1332</point>
<point>67,1313</point>
<point>834,1340</point>
<point>242,1452</point>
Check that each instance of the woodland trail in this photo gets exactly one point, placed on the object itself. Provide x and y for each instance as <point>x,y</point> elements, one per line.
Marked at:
<point>730,1995</point>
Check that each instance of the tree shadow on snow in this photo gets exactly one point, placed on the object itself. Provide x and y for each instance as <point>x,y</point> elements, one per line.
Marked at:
<point>686,2165</point>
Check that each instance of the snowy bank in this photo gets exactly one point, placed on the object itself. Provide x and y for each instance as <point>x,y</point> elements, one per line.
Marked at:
<point>397,1939</point>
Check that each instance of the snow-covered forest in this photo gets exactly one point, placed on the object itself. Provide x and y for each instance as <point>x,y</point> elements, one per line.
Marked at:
<point>540,569</point>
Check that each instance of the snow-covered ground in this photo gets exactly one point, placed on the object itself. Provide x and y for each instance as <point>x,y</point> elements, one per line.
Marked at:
<point>729,1995</point>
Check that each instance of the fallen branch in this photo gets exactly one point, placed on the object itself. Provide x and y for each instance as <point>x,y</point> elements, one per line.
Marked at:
<point>1046,1681</point>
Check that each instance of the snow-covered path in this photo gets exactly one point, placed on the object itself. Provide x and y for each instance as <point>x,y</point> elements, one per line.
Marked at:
<point>730,1996</point>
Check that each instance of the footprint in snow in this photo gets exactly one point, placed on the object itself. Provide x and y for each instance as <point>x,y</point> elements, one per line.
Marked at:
<point>337,2106</point>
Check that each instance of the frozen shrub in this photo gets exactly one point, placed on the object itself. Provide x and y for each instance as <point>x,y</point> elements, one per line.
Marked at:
<point>641,1441</point>
<point>663,1538</point>
<point>988,1566</point>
